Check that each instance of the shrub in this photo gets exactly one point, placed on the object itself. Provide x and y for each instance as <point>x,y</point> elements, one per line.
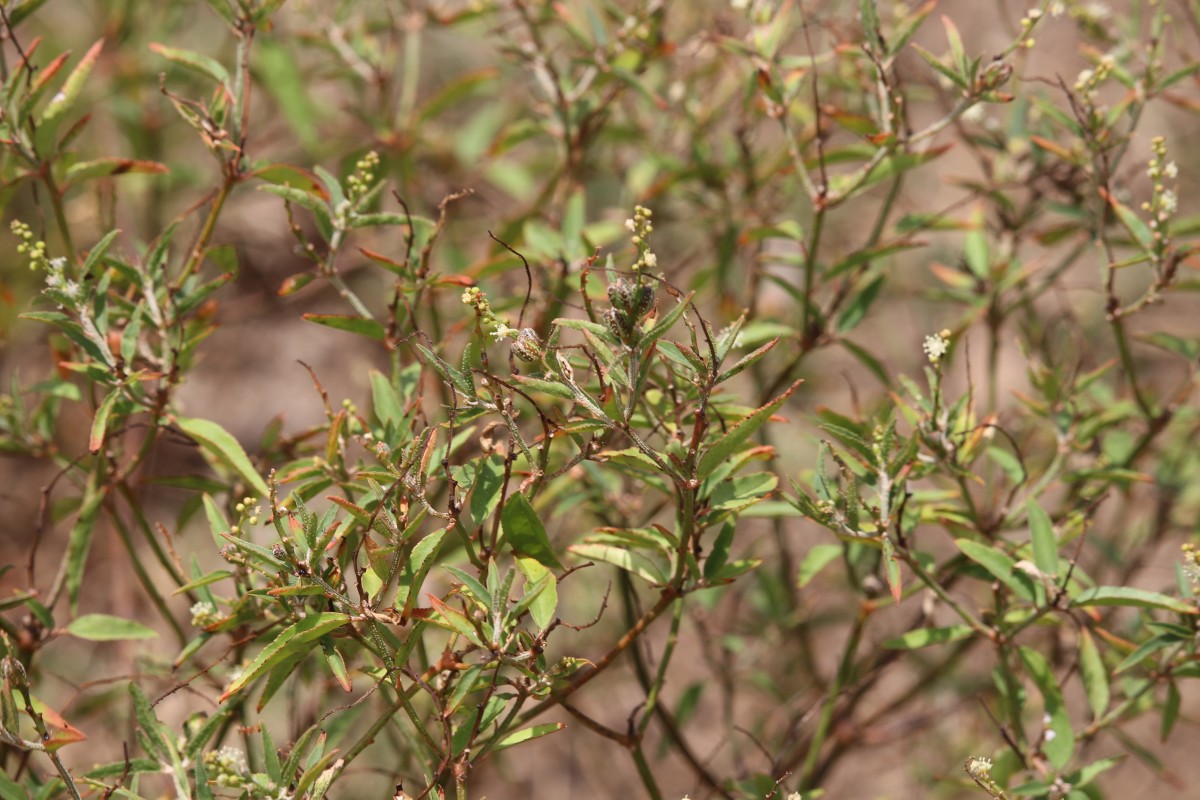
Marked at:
<point>625,301</point>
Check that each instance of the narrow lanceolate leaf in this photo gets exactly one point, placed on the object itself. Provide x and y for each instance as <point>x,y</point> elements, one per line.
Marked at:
<point>111,167</point>
<point>221,445</point>
<point>100,421</point>
<point>80,541</point>
<point>363,327</point>
<point>817,558</point>
<point>1058,748</point>
<point>1094,674</point>
<point>629,560</point>
<point>1000,565</point>
<point>748,360</point>
<point>728,444</point>
<point>1041,532</point>
<point>1127,596</point>
<point>529,733</point>
<point>107,628</point>
<point>293,641</point>
<point>923,637</point>
<point>62,102</point>
<point>525,533</point>
<point>196,62</point>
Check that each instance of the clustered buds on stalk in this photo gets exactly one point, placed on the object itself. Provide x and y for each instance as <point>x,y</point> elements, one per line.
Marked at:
<point>631,302</point>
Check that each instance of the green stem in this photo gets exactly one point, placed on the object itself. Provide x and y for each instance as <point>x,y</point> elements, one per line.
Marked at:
<point>835,689</point>
<point>661,677</point>
<point>645,773</point>
<point>145,580</point>
<point>206,231</point>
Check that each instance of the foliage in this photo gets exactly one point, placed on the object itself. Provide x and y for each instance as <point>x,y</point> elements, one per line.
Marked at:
<point>610,433</point>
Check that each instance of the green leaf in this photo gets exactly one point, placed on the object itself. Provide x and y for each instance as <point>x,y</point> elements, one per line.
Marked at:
<point>816,559</point>
<point>100,421</point>
<point>999,565</point>
<point>62,102</point>
<point>454,620</point>
<point>414,570</point>
<point>107,628</point>
<point>221,445</point>
<point>975,247</point>
<point>923,637</point>
<point>528,734</point>
<point>1093,673</point>
<point>80,540</point>
<point>629,560</point>
<point>280,76</point>
<point>664,324</point>
<point>294,640</point>
<point>359,325</point>
<point>1127,596</point>
<point>156,734</point>
<point>1045,546</point>
<point>524,532</point>
<point>541,588</point>
<point>111,167</point>
<point>856,311</point>
<point>720,551</point>
<point>196,62</point>
<point>1059,748</point>
<point>11,790</point>
<point>728,444</point>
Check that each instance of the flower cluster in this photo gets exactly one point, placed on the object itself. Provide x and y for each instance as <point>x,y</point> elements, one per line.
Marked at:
<point>34,248</point>
<point>227,767</point>
<point>204,614</point>
<point>363,178</point>
<point>474,297</point>
<point>1088,84</point>
<point>248,514</point>
<point>1165,202</point>
<point>936,346</point>
<point>641,227</point>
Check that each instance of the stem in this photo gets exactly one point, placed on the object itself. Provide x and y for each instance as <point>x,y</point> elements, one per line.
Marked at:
<point>835,690</point>
<point>206,232</point>
<point>645,773</point>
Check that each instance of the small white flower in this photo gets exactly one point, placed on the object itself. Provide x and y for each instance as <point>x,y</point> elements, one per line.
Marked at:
<point>630,225</point>
<point>504,332</point>
<point>1097,10</point>
<point>1170,202</point>
<point>1171,170</point>
<point>978,767</point>
<point>936,346</point>
<point>650,259</point>
<point>1057,8</point>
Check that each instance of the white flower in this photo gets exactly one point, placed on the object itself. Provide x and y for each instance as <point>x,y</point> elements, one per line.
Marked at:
<point>936,345</point>
<point>1170,202</point>
<point>504,332</point>
<point>650,259</point>
<point>1171,170</point>
<point>1057,8</point>
<point>978,767</point>
<point>630,225</point>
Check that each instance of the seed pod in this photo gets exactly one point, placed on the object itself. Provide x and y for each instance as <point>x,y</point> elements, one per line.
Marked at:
<point>528,347</point>
<point>645,300</point>
<point>621,295</point>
